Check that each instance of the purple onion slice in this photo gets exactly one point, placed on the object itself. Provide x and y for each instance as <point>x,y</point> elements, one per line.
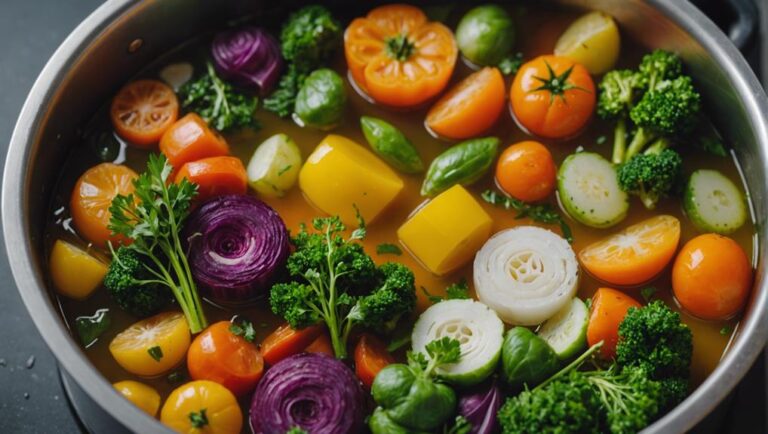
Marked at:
<point>480,406</point>
<point>248,56</point>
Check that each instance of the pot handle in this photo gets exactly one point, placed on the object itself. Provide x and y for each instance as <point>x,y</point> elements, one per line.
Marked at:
<point>746,15</point>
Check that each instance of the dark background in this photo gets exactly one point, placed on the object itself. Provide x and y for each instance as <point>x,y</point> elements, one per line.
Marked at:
<point>31,398</point>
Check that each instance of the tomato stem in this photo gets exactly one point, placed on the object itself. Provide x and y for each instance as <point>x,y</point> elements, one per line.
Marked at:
<point>399,47</point>
<point>555,84</point>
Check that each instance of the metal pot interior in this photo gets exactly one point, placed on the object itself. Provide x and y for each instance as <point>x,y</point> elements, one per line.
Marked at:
<point>121,37</point>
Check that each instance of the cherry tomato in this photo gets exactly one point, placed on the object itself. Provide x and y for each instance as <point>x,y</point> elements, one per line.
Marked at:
<point>202,407</point>
<point>399,58</point>
<point>142,110</point>
<point>609,307</point>
<point>190,139</point>
<point>92,197</point>
<point>371,356</point>
<point>552,97</point>
<point>141,395</point>
<point>711,277</point>
<point>526,171</point>
<point>215,176</point>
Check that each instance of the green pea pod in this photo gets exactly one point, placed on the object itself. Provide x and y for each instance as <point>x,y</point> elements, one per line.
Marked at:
<point>461,164</point>
<point>426,407</point>
<point>321,100</point>
<point>391,384</point>
<point>485,35</point>
<point>381,423</point>
<point>391,145</point>
<point>526,358</point>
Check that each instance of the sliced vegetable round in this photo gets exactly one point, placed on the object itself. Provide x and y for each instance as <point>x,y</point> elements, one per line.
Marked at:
<point>391,145</point>
<point>461,164</point>
<point>236,244</point>
<point>526,171</point>
<point>526,274</point>
<point>714,203</point>
<point>314,392</point>
<point>592,40</point>
<point>485,35</point>
<point>566,332</point>
<point>634,255</point>
<point>321,100</point>
<point>142,110</point>
<point>152,346</point>
<point>589,190</point>
<point>140,395</point>
<point>526,359</point>
<point>190,139</point>
<point>478,329</point>
<point>248,56</point>
<point>274,166</point>
<point>75,273</point>
<point>202,406</point>
<point>286,341</point>
<point>470,107</point>
<point>215,176</point>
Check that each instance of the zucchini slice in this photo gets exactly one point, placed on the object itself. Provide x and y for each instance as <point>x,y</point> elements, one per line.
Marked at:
<point>275,165</point>
<point>714,203</point>
<point>589,190</point>
<point>475,326</point>
<point>566,332</point>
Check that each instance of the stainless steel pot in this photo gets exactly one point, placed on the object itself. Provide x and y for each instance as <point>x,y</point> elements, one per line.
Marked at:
<point>122,36</point>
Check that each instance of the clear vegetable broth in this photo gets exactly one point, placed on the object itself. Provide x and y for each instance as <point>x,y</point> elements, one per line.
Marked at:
<point>537,33</point>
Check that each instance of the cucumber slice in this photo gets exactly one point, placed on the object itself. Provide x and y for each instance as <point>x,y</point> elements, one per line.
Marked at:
<point>275,165</point>
<point>566,332</point>
<point>589,190</point>
<point>714,203</point>
<point>475,326</point>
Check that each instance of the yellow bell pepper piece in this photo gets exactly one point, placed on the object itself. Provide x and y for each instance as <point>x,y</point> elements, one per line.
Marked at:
<point>340,174</point>
<point>447,231</point>
<point>75,273</point>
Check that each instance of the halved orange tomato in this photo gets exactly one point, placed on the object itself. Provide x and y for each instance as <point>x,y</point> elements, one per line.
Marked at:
<point>399,58</point>
<point>142,110</point>
<point>634,255</point>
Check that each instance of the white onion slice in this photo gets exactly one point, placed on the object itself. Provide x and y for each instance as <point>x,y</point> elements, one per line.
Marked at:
<point>477,328</point>
<point>526,274</point>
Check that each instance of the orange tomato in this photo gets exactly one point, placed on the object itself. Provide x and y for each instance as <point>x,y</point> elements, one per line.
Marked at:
<point>526,171</point>
<point>609,307</point>
<point>711,277</point>
<point>142,110</point>
<point>397,57</point>
<point>634,255</point>
<point>92,197</point>
<point>371,356</point>
<point>190,139</point>
<point>552,97</point>
<point>470,107</point>
<point>286,341</point>
<point>321,345</point>
<point>202,407</point>
<point>215,176</point>
<point>220,356</point>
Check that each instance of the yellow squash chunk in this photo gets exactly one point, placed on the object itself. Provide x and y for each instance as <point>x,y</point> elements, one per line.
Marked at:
<point>446,233</point>
<point>592,40</point>
<point>340,174</point>
<point>75,273</point>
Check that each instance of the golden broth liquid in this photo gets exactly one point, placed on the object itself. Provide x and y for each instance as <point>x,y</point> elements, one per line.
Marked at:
<point>538,29</point>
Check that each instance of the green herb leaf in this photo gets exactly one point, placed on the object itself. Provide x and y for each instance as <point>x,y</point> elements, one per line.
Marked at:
<point>156,353</point>
<point>388,249</point>
<point>296,430</point>
<point>417,360</point>
<point>198,419</point>
<point>360,232</point>
<point>284,169</point>
<point>511,64</point>
<point>244,329</point>
<point>460,426</point>
<point>175,377</point>
<point>89,328</point>
<point>726,331</point>
<point>457,291</point>
<point>542,213</point>
<point>218,103</point>
<point>647,293</point>
<point>444,351</point>
<point>432,298</point>
<point>588,302</point>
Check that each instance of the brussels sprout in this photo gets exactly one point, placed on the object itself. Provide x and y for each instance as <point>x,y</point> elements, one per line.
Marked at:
<point>526,359</point>
<point>381,423</point>
<point>462,164</point>
<point>426,407</point>
<point>321,100</point>
<point>485,35</point>
<point>391,384</point>
<point>391,145</point>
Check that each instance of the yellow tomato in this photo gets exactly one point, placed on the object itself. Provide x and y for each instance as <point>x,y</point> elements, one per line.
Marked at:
<point>152,346</point>
<point>202,407</point>
<point>141,395</point>
<point>75,273</point>
<point>593,41</point>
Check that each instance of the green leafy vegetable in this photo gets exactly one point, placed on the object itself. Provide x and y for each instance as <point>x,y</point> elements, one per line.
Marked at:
<point>156,353</point>
<point>458,290</point>
<point>218,102</point>
<point>648,292</point>
<point>175,377</point>
<point>153,217</point>
<point>132,286</point>
<point>460,426</point>
<point>296,430</point>
<point>198,419</point>
<point>321,100</point>
<point>726,330</point>
<point>651,175</point>
<point>244,329</point>
<point>89,328</point>
<point>543,213</point>
<point>388,249</point>
<point>334,281</point>
<point>511,64</point>
<point>461,164</point>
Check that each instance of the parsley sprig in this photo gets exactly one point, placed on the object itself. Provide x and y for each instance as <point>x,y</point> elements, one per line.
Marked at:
<point>543,213</point>
<point>152,217</point>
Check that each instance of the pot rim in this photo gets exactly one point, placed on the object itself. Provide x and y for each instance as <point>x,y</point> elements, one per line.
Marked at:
<point>753,332</point>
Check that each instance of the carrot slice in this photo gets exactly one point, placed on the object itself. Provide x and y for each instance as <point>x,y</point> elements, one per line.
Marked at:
<point>609,307</point>
<point>321,345</point>
<point>371,356</point>
<point>286,341</point>
<point>190,139</point>
<point>215,176</point>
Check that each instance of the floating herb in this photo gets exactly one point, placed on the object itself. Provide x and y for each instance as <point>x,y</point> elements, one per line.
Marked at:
<point>542,213</point>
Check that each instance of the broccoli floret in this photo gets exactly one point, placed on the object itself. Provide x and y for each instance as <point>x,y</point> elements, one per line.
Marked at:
<point>655,339</point>
<point>651,175</point>
<point>384,306</point>
<point>616,96</point>
<point>130,286</point>
<point>308,40</point>
<point>656,67</point>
